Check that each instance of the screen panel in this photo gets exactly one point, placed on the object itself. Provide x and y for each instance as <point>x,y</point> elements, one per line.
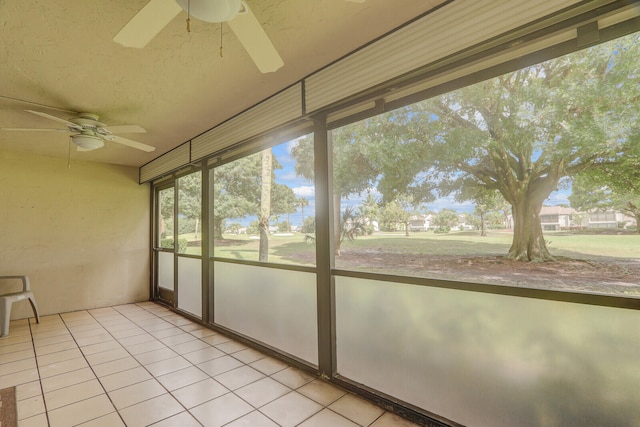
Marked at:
<point>490,360</point>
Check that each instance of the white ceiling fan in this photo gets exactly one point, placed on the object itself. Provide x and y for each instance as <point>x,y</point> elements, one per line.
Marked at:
<point>156,14</point>
<point>90,134</point>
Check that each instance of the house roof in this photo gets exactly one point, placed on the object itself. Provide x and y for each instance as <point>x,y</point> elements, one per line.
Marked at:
<point>557,210</point>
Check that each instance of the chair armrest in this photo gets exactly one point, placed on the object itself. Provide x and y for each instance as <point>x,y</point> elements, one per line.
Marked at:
<point>26,286</point>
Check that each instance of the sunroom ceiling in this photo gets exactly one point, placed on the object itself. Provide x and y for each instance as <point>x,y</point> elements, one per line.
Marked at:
<point>60,53</point>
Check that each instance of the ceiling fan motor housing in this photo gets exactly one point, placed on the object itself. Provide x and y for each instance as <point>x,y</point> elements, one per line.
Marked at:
<point>87,120</point>
<point>211,11</point>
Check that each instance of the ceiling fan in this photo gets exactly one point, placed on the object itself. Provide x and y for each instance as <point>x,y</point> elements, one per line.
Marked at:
<point>90,134</point>
<point>156,14</point>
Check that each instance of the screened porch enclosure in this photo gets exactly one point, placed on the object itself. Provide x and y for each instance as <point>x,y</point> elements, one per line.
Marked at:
<point>426,232</point>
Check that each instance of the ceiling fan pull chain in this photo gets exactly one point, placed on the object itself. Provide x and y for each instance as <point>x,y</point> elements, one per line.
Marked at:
<point>69,154</point>
<point>189,16</point>
<point>221,40</point>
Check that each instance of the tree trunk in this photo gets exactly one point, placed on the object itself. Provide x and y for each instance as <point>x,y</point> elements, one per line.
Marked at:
<point>633,210</point>
<point>508,223</point>
<point>406,229</point>
<point>163,229</point>
<point>528,240</point>
<point>217,228</point>
<point>337,226</point>
<point>264,242</point>
<point>483,226</point>
<point>265,205</point>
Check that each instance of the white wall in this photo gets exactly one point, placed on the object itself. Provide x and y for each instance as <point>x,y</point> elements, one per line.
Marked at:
<point>81,234</point>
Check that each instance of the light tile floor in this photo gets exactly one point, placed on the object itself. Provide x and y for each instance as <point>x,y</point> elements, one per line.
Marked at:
<point>141,364</point>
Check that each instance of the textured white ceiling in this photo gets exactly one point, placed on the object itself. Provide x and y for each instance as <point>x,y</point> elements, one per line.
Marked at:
<point>60,53</point>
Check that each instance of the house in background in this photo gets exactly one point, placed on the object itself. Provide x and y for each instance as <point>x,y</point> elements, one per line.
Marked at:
<point>610,219</point>
<point>420,222</point>
<point>553,218</point>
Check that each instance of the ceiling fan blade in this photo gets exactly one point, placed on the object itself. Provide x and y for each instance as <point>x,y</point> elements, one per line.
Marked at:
<point>125,129</point>
<point>255,41</point>
<point>130,143</point>
<point>54,118</point>
<point>148,22</point>
<point>36,130</point>
<point>36,104</point>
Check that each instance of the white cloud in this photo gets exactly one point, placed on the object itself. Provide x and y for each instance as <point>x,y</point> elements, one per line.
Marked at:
<point>286,176</point>
<point>304,191</point>
<point>558,198</point>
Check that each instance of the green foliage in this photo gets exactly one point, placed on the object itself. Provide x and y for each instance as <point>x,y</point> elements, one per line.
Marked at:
<point>190,196</point>
<point>283,226</point>
<point>351,225</point>
<point>446,219</point>
<point>523,132</point>
<point>237,191</point>
<point>394,217</point>
<point>166,200</point>
<point>522,135</point>
<point>283,200</point>
<point>302,151</point>
<point>370,208</point>
<point>309,226</point>
<point>234,227</point>
<point>186,225</point>
<point>182,245</point>
<point>613,184</point>
<point>166,243</point>
<point>253,228</point>
<point>494,220</point>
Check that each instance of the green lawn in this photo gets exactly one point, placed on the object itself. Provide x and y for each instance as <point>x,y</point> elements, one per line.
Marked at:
<point>282,249</point>
<point>587,261</point>
<point>294,250</point>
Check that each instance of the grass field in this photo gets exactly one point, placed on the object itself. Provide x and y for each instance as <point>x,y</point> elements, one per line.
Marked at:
<point>588,261</point>
<point>293,248</point>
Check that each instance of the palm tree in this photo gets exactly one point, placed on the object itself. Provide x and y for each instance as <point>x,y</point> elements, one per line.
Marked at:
<point>302,202</point>
<point>265,204</point>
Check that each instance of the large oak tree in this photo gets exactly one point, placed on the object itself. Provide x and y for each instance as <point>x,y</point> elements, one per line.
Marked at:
<point>524,132</point>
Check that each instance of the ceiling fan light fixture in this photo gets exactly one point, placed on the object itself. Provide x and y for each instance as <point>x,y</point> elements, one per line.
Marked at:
<point>212,10</point>
<point>88,142</point>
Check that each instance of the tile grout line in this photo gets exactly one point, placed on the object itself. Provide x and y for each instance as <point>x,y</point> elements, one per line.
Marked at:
<point>130,316</point>
<point>143,366</point>
<point>197,367</point>
<point>91,367</point>
<point>211,377</point>
<point>35,355</point>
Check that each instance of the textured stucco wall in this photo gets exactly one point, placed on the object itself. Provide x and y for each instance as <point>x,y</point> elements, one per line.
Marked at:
<point>81,234</point>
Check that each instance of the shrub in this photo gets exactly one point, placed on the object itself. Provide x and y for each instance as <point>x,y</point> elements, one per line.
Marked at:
<point>166,243</point>
<point>182,245</point>
<point>309,226</point>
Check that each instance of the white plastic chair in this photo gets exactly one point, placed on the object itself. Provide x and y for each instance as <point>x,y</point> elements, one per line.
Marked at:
<point>7,300</point>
